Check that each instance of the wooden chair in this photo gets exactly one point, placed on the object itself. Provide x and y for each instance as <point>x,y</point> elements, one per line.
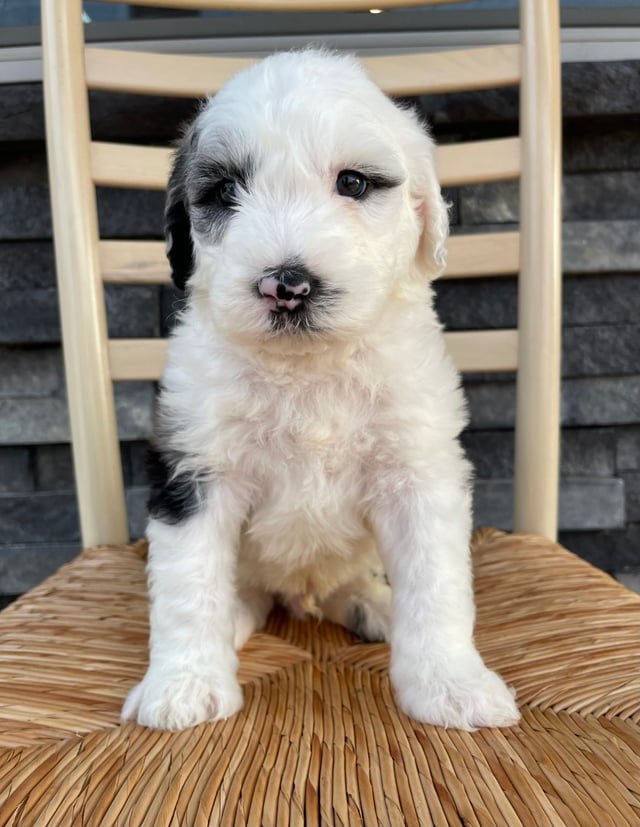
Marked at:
<point>320,740</point>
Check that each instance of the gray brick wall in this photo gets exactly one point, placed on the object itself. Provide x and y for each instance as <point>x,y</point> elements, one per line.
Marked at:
<point>600,489</point>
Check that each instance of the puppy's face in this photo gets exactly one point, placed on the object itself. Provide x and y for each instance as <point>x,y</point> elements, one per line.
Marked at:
<point>301,201</point>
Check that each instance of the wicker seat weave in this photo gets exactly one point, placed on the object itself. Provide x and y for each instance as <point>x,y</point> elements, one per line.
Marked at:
<point>320,739</point>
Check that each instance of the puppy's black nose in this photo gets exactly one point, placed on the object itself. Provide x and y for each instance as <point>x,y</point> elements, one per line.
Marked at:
<point>288,286</point>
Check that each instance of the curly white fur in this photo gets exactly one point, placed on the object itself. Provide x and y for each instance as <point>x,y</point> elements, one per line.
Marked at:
<point>319,453</point>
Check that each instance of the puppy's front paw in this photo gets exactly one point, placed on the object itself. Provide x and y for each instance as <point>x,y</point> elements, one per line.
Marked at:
<point>462,694</point>
<point>181,699</point>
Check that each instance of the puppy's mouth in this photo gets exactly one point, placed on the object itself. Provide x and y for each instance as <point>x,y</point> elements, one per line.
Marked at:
<point>298,319</point>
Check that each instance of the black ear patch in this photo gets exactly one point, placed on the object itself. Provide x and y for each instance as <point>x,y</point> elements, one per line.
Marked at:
<point>179,243</point>
<point>177,226</point>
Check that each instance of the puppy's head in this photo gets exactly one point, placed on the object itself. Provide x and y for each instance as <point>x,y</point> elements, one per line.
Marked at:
<point>302,200</point>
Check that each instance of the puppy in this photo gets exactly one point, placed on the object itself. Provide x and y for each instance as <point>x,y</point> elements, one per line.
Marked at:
<point>307,441</point>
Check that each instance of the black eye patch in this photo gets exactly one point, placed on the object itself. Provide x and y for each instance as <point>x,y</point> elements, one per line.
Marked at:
<point>221,195</point>
<point>218,185</point>
<point>214,192</point>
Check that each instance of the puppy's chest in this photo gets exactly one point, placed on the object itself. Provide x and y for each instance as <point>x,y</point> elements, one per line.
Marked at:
<point>305,453</point>
<point>310,435</point>
<point>309,482</point>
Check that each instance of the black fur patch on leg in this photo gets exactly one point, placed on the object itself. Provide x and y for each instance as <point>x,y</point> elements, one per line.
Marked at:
<point>173,497</point>
<point>357,623</point>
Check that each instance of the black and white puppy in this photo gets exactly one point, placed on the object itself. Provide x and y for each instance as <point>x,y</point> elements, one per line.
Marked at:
<point>309,412</point>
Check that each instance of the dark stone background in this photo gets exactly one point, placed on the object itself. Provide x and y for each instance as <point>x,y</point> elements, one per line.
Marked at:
<point>600,491</point>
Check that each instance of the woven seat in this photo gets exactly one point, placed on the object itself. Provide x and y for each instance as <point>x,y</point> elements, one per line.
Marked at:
<point>320,739</point>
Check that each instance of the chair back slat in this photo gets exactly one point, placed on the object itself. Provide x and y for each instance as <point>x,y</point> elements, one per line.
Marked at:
<point>148,167</point>
<point>133,262</point>
<point>474,351</point>
<point>150,73</point>
<point>137,359</point>
<point>129,165</point>
<point>468,256</point>
<point>477,162</point>
<point>484,351</point>
<point>484,67</point>
<point>288,5</point>
<point>483,254</point>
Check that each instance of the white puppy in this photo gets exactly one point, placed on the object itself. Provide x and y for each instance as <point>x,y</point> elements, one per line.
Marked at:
<point>309,412</point>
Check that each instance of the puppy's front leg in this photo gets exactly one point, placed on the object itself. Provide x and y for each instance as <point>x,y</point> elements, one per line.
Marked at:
<point>192,670</point>
<point>438,676</point>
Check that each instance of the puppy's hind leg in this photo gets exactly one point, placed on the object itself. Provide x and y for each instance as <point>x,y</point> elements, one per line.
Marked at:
<point>250,614</point>
<point>363,605</point>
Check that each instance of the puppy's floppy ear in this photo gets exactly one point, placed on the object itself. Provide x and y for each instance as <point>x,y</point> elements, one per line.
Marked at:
<point>429,204</point>
<point>177,227</point>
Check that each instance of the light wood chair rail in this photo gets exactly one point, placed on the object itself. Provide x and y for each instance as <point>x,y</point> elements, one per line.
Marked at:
<point>288,5</point>
<point>85,262</point>
<point>469,256</point>
<point>197,76</point>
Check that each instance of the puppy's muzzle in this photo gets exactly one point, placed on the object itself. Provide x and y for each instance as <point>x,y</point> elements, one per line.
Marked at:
<point>286,287</point>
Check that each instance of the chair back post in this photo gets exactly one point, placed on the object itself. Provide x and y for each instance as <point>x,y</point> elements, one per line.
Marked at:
<point>539,295</point>
<point>96,452</point>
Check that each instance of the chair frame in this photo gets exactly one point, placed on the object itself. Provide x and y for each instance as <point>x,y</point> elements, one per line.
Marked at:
<point>80,262</point>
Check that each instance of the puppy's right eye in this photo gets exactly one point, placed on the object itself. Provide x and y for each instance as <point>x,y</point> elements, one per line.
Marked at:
<point>221,195</point>
<point>225,192</point>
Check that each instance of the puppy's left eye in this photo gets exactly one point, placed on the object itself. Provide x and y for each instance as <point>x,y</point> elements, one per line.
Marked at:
<point>351,184</point>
